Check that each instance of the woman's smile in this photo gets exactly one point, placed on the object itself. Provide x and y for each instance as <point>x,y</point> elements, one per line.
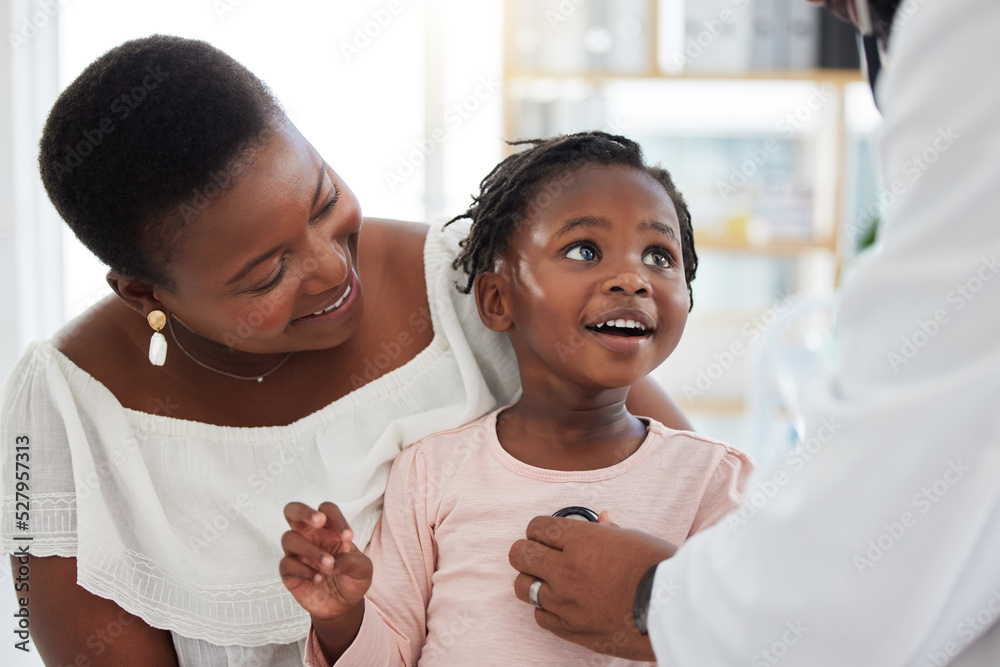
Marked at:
<point>340,309</point>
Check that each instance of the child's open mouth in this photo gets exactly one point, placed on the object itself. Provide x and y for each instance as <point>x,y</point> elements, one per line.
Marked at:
<point>621,327</point>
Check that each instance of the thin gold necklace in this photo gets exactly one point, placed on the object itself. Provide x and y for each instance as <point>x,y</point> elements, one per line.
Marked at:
<point>258,378</point>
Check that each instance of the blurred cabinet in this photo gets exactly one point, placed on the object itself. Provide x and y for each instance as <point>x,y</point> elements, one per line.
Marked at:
<point>730,96</point>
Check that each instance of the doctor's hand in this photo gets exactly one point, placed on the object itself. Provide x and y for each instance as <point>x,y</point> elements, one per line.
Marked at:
<point>325,572</point>
<point>589,573</point>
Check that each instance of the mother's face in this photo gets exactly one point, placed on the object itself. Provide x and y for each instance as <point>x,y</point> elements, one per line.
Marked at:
<point>253,267</point>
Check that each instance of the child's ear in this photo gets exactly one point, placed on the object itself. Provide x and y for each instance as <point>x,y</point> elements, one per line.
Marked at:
<point>491,299</point>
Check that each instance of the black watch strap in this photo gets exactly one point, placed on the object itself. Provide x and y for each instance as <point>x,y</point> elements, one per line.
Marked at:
<point>643,592</point>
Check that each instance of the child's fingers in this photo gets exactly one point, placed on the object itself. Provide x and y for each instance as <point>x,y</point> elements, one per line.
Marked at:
<point>335,521</point>
<point>292,568</point>
<point>355,565</point>
<point>300,515</point>
<point>607,519</point>
<point>297,545</point>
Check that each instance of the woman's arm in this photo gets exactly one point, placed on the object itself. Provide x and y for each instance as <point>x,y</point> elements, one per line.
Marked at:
<point>70,626</point>
<point>647,398</point>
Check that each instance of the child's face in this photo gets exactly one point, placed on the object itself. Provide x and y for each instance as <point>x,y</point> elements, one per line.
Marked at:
<point>595,279</point>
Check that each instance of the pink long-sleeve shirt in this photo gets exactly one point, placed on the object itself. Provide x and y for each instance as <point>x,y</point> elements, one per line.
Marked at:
<point>442,592</point>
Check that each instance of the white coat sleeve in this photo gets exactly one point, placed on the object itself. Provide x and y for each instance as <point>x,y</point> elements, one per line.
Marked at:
<point>880,544</point>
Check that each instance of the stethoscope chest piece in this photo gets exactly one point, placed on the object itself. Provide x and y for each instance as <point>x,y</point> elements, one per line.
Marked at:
<point>578,513</point>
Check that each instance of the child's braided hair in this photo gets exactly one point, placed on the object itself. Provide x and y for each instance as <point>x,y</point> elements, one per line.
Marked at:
<point>520,184</point>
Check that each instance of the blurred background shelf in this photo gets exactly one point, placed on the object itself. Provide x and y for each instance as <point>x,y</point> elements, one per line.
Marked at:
<point>703,242</point>
<point>834,76</point>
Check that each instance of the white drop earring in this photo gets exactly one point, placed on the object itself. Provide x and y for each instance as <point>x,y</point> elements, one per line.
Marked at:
<point>157,344</point>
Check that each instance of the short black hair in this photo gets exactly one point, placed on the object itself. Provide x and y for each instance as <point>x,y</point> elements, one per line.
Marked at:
<point>506,195</point>
<point>146,135</point>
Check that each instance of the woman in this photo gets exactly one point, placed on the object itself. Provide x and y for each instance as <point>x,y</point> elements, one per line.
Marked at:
<point>299,359</point>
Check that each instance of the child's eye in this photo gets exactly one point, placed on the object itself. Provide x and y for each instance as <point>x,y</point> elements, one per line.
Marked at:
<point>582,253</point>
<point>656,258</point>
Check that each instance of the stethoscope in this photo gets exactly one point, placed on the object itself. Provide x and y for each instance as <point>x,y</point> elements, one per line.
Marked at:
<point>578,513</point>
<point>873,39</point>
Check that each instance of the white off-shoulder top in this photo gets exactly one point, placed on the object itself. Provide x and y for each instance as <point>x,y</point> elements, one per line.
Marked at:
<point>179,522</point>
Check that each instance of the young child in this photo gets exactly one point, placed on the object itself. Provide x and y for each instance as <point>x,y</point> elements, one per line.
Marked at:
<point>584,255</point>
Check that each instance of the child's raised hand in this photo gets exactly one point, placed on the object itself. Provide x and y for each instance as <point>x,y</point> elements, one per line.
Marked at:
<point>325,572</point>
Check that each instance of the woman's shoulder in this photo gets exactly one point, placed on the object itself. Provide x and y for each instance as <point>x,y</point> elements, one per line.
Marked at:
<point>408,266</point>
<point>55,388</point>
<point>26,374</point>
<point>392,241</point>
<point>102,341</point>
<point>77,344</point>
<point>108,345</point>
<point>412,251</point>
<point>390,255</point>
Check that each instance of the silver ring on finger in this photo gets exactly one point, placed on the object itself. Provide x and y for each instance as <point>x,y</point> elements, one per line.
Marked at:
<point>533,593</point>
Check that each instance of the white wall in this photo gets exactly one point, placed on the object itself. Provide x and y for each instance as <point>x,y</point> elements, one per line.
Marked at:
<point>30,249</point>
<point>30,265</point>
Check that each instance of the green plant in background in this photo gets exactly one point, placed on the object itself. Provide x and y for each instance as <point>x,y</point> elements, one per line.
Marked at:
<point>864,240</point>
<point>867,237</point>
